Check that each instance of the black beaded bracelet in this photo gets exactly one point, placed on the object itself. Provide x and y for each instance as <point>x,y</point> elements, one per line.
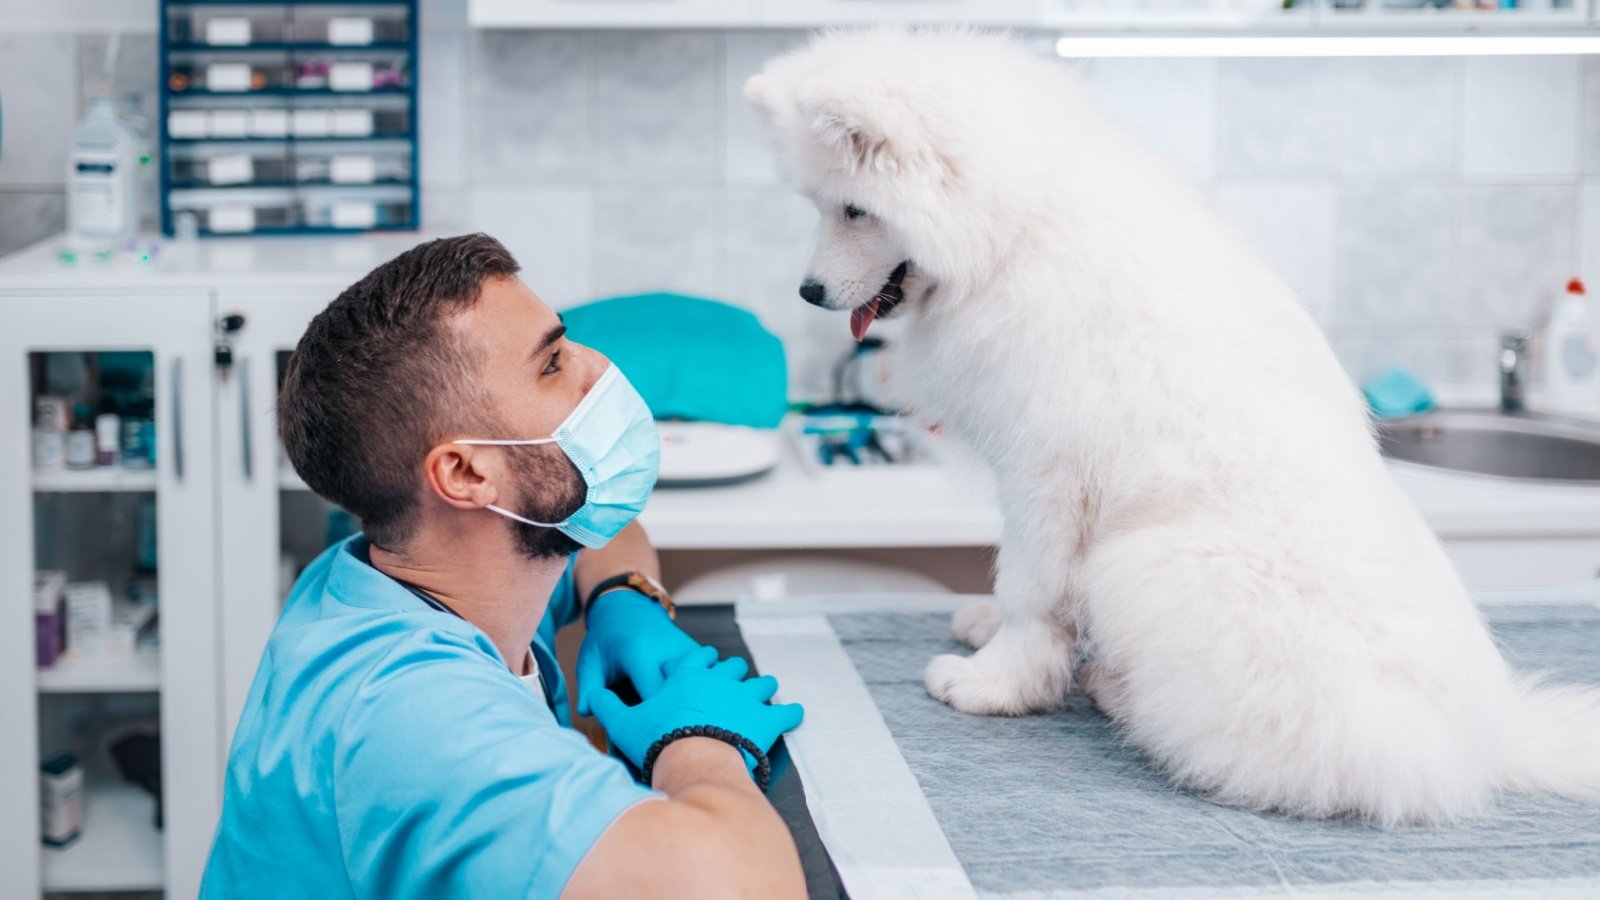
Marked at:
<point>763,765</point>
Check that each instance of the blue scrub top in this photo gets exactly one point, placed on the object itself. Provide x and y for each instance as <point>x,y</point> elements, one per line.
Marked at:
<point>386,750</point>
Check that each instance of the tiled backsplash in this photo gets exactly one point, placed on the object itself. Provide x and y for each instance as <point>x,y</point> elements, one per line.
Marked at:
<point>1417,205</point>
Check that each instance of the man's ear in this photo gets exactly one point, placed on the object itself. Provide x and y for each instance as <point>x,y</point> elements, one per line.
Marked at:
<point>856,123</point>
<point>456,474</point>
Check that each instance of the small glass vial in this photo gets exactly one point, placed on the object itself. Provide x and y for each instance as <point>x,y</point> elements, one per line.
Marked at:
<point>80,440</point>
<point>107,438</point>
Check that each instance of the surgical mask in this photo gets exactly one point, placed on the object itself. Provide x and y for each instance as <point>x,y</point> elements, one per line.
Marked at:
<point>611,439</point>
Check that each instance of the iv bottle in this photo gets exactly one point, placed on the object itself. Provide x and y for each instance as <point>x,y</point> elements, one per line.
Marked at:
<point>102,179</point>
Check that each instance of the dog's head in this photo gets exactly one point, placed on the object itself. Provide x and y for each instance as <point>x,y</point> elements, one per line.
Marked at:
<point>900,140</point>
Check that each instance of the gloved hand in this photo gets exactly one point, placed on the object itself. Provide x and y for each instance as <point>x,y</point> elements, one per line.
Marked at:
<point>629,635</point>
<point>698,690</point>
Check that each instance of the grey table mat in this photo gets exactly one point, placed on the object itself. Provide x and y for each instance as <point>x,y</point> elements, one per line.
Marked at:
<point>1054,805</point>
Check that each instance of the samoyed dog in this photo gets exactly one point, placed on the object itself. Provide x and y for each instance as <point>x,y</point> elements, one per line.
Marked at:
<point>1190,484</point>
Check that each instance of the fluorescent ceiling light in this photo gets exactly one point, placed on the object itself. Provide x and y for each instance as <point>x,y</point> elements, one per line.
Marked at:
<point>1330,45</point>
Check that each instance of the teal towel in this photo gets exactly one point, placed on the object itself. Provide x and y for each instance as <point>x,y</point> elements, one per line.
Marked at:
<point>1397,393</point>
<point>689,357</point>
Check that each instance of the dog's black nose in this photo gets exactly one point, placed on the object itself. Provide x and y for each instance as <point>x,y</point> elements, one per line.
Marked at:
<point>813,292</point>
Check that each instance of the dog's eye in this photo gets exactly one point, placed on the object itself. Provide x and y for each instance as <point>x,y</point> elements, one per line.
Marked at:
<point>853,212</point>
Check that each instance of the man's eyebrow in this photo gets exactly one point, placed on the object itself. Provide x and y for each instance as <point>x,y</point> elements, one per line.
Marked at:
<point>550,337</point>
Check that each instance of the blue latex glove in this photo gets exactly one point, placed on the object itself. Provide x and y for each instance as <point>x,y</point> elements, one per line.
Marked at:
<point>698,690</point>
<point>630,636</point>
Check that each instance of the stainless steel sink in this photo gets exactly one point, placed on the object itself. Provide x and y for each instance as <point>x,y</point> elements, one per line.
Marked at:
<point>1524,445</point>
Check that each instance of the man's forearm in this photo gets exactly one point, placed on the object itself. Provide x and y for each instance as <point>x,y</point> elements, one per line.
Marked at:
<point>710,776</point>
<point>629,551</point>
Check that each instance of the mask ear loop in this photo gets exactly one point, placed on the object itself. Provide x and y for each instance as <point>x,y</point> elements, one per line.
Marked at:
<point>511,515</point>
<point>512,443</point>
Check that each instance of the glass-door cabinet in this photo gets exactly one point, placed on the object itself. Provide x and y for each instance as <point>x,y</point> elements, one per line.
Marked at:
<point>110,766</point>
<point>274,526</point>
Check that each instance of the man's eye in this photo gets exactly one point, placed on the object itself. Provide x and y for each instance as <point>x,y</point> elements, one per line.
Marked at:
<point>853,212</point>
<point>555,364</point>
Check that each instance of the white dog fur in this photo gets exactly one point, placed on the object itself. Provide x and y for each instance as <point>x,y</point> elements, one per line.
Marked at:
<point>1188,478</point>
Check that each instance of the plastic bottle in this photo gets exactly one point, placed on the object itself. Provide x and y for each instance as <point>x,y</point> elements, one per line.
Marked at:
<point>103,179</point>
<point>1572,352</point>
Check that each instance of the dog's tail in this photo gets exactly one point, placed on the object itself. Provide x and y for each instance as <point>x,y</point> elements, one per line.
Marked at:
<point>1555,741</point>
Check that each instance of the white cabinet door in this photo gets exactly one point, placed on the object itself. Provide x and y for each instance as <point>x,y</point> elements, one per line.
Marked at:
<point>805,13</point>
<point>119,848</point>
<point>610,13</point>
<point>253,486</point>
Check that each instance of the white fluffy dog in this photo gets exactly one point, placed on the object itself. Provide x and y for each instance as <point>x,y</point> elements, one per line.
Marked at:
<point>1188,478</point>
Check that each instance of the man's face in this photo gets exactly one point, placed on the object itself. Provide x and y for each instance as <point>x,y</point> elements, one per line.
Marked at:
<point>533,378</point>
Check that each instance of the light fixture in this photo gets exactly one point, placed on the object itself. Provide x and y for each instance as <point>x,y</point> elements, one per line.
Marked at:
<point>1100,47</point>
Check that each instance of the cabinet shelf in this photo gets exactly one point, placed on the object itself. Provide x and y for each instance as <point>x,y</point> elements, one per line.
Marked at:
<point>138,673</point>
<point>386,90</point>
<point>120,848</point>
<point>102,478</point>
<point>309,47</point>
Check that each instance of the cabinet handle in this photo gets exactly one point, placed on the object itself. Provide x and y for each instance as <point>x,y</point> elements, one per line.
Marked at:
<point>247,459</point>
<point>177,417</point>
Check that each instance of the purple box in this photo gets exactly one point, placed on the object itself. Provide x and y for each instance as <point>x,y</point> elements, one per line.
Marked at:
<point>48,587</point>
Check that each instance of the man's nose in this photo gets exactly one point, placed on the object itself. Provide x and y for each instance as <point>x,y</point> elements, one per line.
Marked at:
<point>595,364</point>
<point>813,292</point>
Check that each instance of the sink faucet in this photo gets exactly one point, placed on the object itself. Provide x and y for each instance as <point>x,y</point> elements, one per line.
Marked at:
<point>1513,370</point>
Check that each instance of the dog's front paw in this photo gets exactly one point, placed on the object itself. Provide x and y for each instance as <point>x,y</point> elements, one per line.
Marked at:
<point>976,623</point>
<point>964,683</point>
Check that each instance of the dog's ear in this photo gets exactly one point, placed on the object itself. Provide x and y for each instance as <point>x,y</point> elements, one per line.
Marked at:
<point>758,92</point>
<point>855,122</point>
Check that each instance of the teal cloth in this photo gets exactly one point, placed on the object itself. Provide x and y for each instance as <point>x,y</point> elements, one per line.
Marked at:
<point>1397,393</point>
<point>690,358</point>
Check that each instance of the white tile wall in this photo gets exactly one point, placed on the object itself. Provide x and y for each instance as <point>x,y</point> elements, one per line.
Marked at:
<point>657,239</point>
<point>1400,116</point>
<point>529,97</point>
<point>655,107</point>
<point>1278,117</point>
<point>746,156</point>
<point>39,82</point>
<point>1591,115</point>
<point>1589,236</point>
<point>1520,115</point>
<point>1171,103</point>
<point>548,229</point>
<point>1416,205</point>
<point>1517,250</point>
<point>1293,224</point>
<point>1396,260</point>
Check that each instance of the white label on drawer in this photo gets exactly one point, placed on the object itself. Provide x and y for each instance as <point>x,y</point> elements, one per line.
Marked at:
<point>233,218</point>
<point>352,122</point>
<point>312,122</point>
<point>355,214</point>
<point>269,122</point>
<point>231,123</point>
<point>188,123</point>
<point>353,170</point>
<point>349,30</point>
<point>235,168</point>
<point>234,32</point>
<point>350,76</point>
<point>228,77</point>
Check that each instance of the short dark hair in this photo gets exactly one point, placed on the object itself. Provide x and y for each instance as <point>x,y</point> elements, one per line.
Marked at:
<point>377,380</point>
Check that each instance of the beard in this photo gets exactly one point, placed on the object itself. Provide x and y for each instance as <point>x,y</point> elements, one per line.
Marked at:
<point>549,489</point>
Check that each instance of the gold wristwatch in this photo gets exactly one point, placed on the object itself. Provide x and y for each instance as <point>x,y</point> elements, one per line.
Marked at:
<point>634,581</point>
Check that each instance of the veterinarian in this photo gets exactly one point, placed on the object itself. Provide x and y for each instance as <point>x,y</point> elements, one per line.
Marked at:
<point>407,732</point>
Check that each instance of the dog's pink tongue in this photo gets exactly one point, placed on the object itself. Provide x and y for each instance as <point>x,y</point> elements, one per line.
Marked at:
<point>861,317</point>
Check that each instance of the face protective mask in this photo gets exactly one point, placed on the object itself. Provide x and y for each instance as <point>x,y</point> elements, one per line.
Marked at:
<point>611,438</point>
